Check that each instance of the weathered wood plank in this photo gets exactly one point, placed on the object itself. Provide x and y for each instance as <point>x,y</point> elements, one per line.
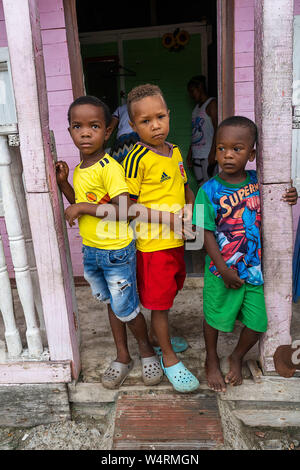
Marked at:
<point>273,113</point>
<point>35,372</point>
<point>32,405</point>
<point>27,104</point>
<point>273,87</point>
<point>40,181</point>
<point>255,370</point>
<point>277,270</point>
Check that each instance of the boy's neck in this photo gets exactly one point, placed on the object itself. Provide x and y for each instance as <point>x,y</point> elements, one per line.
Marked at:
<point>233,178</point>
<point>163,149</point>
<point>89,160</point>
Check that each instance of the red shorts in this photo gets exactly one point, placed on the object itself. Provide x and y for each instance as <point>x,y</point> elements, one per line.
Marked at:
<point>160,275</point>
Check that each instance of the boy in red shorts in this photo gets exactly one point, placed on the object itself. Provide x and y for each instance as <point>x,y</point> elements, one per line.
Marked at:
<point>156,179</point>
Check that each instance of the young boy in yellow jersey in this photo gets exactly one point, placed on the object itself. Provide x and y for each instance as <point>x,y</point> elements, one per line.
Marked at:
<point>109,255</point>
<point>156,179</point>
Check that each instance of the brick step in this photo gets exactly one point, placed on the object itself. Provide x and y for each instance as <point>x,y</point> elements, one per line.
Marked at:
<point>167,421</point>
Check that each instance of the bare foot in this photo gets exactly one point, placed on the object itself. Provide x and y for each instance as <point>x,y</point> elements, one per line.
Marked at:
<point>234,376</point>
<point>214,375</point>
<point>282,361</point>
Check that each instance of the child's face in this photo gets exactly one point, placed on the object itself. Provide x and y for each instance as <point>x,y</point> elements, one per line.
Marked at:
<point>234,148</point>
<point>88,128</point>
<point>151,120</point>
<point>195,93</point>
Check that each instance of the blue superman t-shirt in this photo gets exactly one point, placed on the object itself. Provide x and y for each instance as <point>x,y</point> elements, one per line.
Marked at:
<point>233,213</point>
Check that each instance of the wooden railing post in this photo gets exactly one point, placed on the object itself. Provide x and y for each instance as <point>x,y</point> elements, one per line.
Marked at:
<point>18,250</point>
<point>29,82</point>
<point>273,110</point>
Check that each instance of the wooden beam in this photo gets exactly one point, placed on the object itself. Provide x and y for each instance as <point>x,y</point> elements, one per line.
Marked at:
<point>273,113</point>
<point>74,48</point>
<point>35,372</point>
<point>225,38</point>
<point>46,219</point>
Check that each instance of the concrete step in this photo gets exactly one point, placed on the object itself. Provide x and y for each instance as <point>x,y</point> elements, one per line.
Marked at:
<point>268,418</point>
<point>267,389</point>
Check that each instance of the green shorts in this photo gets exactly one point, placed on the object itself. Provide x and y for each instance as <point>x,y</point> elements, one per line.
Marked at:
<point>223,306</point>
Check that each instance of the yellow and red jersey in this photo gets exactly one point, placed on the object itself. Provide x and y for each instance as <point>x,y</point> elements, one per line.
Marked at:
<point>156,181</point>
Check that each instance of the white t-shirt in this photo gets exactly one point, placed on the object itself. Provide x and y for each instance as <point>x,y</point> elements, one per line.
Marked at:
<point>123,126</point>
<point>202,131</point>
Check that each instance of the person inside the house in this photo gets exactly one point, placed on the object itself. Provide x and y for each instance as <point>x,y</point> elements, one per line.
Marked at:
<point>201,155</point>
<point>126,137</point>
<point>227,207</point>
<point>287,359</point>
<point>109,255</point>
<point>156,179</point>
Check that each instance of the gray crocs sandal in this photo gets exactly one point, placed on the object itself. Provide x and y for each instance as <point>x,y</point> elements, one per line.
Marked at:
<point>115,374</point>
<point>152,372</point>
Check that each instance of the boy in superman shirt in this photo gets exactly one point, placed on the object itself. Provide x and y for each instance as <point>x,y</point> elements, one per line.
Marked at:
<point>156,179</point>
<point>233,281</point>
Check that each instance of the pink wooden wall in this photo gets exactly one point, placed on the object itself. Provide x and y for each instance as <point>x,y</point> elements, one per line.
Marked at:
<point>244,58</point>
<point>60,95</point>
<point>244,66</point>
<point>296,209</point>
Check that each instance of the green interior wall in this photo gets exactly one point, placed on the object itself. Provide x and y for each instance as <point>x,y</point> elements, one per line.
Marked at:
<point>171,71</point>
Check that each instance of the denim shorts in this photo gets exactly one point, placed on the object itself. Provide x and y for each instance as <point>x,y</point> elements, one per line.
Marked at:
<point>112,277</point>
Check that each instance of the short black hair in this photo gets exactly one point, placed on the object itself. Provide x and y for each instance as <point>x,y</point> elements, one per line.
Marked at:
<point>140,92</point>
<point>196,81</point>
<point>241,121</point>
<point>88,99</point>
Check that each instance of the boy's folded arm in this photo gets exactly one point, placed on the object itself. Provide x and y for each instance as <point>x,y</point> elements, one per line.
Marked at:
<point>213,251</point>
<point>229,276</point>
<point>116,209</point>
<point>148,215</point>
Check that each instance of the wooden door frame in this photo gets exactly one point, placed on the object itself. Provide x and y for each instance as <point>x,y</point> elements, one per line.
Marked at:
<point>225,38</point>
<point>76,67</point>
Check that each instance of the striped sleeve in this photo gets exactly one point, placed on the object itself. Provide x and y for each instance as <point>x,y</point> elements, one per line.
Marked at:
<point>134,170</point>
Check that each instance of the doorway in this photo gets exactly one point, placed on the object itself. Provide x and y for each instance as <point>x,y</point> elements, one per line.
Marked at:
<point>115,59</point>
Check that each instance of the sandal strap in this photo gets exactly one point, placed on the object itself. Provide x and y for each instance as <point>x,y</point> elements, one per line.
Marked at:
<point>116,373</point>
<point>180,377</point>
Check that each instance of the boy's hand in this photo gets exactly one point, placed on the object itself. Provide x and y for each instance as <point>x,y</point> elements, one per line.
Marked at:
<point>182,224</point>
<point>62,172</point>
<point>72,213</point>
<point>231,279</point>
<point>186,215</point>
<point>291,196</point>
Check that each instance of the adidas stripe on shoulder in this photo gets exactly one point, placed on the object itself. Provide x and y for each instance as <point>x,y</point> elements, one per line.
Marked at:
<point>104,161</point>
<point>133,159</point>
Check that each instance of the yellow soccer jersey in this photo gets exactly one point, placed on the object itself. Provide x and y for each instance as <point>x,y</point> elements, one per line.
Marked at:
<point>98,184</point>
<point>157,182</point>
